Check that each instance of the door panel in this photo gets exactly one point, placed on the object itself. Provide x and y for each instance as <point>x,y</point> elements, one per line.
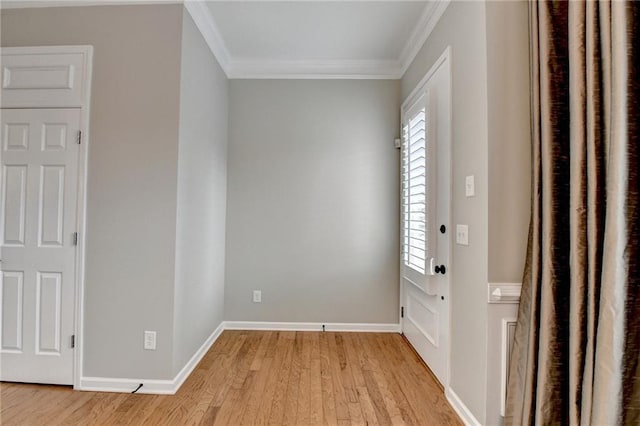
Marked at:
<point>12,291</point>
<point>35,77</point>
<point>424,318</point>
<point>14,203</point>
<point>425,298</point>
<point>51,206</point>
<point>38,219</point>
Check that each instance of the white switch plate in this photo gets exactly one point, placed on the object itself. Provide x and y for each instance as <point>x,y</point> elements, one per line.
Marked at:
<point>470,186</point>
<point>462,235</point>
<point>150,340</point>
<point>257,296</point>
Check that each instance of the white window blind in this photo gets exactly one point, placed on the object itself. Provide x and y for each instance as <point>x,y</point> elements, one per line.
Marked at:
<point>415,188</point>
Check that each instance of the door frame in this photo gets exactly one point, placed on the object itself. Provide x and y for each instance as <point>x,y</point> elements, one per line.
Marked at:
<point>81,196</point>
<point>443,59</point>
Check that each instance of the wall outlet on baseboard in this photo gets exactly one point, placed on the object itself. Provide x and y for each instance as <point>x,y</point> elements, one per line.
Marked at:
<point>257,296</point>
<point>150,340</point>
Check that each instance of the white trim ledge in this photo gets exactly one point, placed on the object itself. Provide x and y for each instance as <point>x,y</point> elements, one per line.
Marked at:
<point>312,326</point>
<point>462,410</point>
<point>151,386</point>
<point>504,293</point>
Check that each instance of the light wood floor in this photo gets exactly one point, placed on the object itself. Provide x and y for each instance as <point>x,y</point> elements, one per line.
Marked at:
<point>250,377</point>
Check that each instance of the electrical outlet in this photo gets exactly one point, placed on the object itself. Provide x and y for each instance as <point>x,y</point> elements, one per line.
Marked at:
<point>462,235</point>
<point>257,296</point>
<point>150,340</point>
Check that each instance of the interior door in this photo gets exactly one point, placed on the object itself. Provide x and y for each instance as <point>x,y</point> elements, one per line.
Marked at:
<point>425,268</point>
<point>37,225</point>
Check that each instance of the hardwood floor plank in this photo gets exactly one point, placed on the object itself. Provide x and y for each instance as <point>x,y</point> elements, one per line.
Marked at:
<point>316,413</point>
<point>230,411</point>
<point>143,408</point>
<point>390,375</point>
<point>281,384</point>
<point>83,407</point>
<point>307,347</point>
<point>262,377</point>
<point>262,351</point>
<point>293,397</point>
<point>377,375</point>
<point>256,393</point>
<point>266,399</point>
<point>376,398</point>
<point>340,393</point>
<point>328,395</point>
<point>104,408</point>
<point>366,405</point>
<point>303,394</point>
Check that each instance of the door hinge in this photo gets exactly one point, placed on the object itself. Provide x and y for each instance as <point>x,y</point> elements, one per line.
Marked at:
<point>73,341</point>
<point>402,312</point>
<point>75,238</point>
<point>79,137</point>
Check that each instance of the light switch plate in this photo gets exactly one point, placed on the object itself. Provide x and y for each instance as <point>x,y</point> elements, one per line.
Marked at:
<point>470,186</point>
<point>257,296</point>
<point>462,235</point>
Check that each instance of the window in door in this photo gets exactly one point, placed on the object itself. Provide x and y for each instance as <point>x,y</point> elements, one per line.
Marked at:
<point>417,172</point>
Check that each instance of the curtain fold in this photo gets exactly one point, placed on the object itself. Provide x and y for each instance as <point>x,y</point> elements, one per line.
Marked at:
<point>575,358</point>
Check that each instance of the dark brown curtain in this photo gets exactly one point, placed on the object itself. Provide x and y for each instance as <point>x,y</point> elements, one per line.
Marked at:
<point>576,351</point>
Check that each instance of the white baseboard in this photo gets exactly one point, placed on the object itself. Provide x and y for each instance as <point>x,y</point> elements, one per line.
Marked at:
<point>465,414</point>
<point>109,384</point>
<point>166,387</point>
<point>312,326</point>
<point>195,359</point>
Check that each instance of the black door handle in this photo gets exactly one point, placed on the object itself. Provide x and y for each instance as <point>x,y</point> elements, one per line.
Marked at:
<point>440,269</point>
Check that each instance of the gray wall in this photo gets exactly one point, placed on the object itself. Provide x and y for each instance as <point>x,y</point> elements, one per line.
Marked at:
<point>463,27</point>
<point>509,169</point>
<point>202,196</point>
<point>312,208</point>
<point>133,158</point>
<point>509,138</point>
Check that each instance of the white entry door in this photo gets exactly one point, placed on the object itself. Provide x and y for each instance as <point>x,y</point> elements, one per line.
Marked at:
<point>38,234</point>
<point>426,227</point>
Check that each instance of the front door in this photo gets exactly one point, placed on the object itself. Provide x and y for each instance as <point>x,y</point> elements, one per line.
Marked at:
<point>425,267</point>
<point>38,225</point>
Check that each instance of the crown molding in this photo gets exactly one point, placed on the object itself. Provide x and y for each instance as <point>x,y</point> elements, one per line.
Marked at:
<point>203,19</point>
<point>432,13</point>
<point>333,69</point>
<point>314,69</point>
<point>26,4</point>
<point>249,68</point>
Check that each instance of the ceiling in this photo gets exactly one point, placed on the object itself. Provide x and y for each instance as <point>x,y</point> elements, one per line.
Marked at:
<point>316,39</point>
<point>304,38</point>
<point>358,30</point>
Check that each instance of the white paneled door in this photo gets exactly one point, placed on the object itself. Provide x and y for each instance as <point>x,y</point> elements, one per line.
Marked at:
<point>426,224</point>
<point>40,155</point>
